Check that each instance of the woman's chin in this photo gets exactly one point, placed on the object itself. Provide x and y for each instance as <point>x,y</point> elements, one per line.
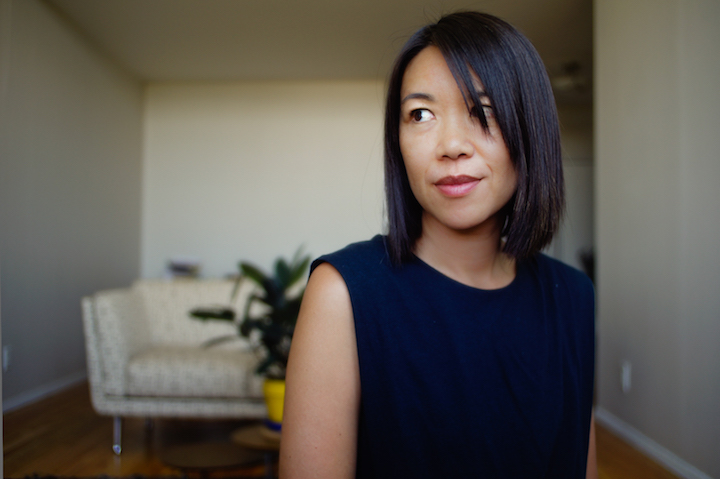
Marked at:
<point>462,224</point>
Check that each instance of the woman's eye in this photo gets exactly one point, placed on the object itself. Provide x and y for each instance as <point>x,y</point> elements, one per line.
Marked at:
<point>420,115</point>
<point>488,112</point>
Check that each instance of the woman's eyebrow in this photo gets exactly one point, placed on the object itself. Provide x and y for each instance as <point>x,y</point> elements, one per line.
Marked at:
<point>421,96</point>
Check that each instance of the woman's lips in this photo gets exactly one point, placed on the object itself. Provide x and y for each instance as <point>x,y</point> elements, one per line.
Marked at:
<point>456,186</point>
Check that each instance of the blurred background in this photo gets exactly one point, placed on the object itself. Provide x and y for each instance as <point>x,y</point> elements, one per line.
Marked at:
<point>136,132</point>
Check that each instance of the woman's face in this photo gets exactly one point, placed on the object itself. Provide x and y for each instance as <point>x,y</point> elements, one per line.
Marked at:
<point>460,174</point>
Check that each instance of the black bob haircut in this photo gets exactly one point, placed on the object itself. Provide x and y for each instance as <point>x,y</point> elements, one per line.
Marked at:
<point>514,78</point>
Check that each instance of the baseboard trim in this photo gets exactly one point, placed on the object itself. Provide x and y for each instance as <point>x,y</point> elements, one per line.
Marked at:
<point>648,446</point>
<point>43,391</point>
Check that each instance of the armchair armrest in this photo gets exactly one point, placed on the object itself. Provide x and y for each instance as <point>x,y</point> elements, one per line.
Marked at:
<point>115,330</point>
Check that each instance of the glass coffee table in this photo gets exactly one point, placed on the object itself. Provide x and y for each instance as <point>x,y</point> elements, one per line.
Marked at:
<point>207,457</point>
<point>260,438</point>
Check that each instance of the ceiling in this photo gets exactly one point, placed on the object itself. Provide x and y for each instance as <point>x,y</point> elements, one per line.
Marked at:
<point>221,40</point>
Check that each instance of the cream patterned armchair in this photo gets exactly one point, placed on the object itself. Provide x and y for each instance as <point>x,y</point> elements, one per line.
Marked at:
<point>146,357</point>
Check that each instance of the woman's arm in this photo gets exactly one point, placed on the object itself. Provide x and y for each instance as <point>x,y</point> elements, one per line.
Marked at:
<point>322,398</point>
<point>592,470</point>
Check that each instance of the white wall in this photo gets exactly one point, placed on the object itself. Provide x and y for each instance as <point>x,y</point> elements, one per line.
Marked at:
<point>658,220</point>
<point>576,233</point>
<point>70,166</point>
<point>250,171</point>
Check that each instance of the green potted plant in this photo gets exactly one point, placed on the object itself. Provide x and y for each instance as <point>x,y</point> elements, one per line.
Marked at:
<point>274,321</point>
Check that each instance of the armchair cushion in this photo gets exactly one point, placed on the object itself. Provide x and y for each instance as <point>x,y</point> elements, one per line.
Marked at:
<point>188,371</point>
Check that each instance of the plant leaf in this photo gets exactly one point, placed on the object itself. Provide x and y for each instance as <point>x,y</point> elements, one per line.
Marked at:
<point>299,270</point>
<point>221,313</point>
<point>298,255</point>
<point>236,288</point>
<point>282,274</point>
<point>219,340</point>
<point>274,296</point>
<point>254,273</point>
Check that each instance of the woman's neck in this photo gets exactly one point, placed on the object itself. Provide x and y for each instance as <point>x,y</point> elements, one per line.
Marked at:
<point>471,257</point>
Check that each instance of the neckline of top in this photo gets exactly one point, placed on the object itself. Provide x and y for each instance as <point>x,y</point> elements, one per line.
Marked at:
<point>519,267</point>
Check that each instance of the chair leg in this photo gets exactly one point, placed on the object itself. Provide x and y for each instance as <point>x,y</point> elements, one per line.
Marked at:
<point>117,435</point>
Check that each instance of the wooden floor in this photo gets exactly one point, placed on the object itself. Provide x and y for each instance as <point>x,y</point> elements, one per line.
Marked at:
<point>62,435</point>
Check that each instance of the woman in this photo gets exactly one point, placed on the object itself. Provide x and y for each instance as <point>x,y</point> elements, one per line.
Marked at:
<point>451,347</point>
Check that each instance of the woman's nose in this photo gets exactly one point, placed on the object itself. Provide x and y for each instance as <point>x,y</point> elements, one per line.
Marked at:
<point>455,139</point>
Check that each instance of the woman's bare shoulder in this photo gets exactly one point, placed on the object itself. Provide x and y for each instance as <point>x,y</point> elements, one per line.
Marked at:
<point>326,302</point>
<point>323,383</point>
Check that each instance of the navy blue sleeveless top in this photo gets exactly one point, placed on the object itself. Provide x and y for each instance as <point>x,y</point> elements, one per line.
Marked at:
<point>462,382</point>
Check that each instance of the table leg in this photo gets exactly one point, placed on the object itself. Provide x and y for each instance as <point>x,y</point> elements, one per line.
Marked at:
<point>117,435</point>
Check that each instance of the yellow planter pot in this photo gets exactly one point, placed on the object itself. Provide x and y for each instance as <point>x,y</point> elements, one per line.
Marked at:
<point>274,390</point>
